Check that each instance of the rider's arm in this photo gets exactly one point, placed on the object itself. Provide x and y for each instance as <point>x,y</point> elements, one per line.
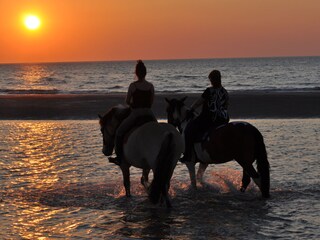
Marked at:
<point>197,103</point>
<point>152,94</point>
<point>129,94</point>
<point>201,100</point>
<point>225,99</point>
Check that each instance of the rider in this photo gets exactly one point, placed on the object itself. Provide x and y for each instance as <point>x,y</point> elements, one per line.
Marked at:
<point>140,97</point>
<point>214,101</point>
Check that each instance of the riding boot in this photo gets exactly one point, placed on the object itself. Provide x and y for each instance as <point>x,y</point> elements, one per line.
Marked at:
<point>119,151</point>
<point>188,151</point>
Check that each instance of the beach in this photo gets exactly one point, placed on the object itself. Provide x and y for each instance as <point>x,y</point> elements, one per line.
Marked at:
<point>249,104</point>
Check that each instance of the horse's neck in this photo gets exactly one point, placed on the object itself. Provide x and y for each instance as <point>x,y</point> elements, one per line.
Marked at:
<point>184,121</point>
<point>123,114</point>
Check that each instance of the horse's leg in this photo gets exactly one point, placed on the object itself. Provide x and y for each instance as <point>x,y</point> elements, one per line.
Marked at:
<point>254,175</point>
<point>202,168</point>
<point>167,198</point>
<point>164,197</point>
<point>126,178</point>
<point>249,170</point>
<point>245,181</point>
<point>145,178</point>
<point>192,173</point>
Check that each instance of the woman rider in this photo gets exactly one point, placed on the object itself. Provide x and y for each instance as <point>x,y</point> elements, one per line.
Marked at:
<point>214,101</point>
<point>140,97</point>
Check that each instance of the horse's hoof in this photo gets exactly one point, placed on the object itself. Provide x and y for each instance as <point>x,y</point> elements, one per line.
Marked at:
<point>242,189</point>
<point>193,187</point>
<point>114,160</point>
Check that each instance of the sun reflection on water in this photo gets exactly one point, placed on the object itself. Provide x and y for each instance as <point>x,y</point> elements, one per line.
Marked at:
<point>40,154</point>
<point>33,73</point>
<point>35,77</point>
<point>37,145</point>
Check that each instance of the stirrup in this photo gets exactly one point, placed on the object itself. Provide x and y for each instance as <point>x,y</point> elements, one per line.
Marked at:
<point>114,160</point>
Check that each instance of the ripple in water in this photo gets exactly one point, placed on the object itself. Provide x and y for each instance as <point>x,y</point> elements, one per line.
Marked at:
<point>56,183</point>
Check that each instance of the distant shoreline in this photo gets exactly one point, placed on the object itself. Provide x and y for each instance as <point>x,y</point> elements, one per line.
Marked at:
<point>243,104</point>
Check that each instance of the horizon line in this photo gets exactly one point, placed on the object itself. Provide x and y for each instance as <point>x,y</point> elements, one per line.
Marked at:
<point>160,59</point>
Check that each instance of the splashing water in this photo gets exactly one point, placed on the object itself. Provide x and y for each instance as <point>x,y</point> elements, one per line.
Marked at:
<point>56,183</point>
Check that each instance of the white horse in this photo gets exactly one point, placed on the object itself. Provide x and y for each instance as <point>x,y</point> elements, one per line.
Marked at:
<point>153,145</point>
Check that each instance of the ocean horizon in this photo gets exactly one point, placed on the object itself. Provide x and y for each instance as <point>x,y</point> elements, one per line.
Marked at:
<point>173,76</point>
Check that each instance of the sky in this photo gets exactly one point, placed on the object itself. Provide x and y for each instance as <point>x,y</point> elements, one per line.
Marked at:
<point>107,30</point>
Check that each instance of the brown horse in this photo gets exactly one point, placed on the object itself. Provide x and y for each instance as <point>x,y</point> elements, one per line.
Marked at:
<point>239,141</point>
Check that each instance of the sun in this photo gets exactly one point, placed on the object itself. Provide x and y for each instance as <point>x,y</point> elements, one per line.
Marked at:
<point>32,22</point>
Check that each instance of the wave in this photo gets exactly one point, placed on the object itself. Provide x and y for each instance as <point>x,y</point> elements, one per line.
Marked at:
<point>29,91</point>
<point>179,77</point>
<point>52,80</point>
<point>297,89</point>
<point>120,89</point>
<point>115,87</point>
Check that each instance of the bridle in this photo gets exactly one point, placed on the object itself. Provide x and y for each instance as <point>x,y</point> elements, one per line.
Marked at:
<point>178,123</point>
<point>104,130</point>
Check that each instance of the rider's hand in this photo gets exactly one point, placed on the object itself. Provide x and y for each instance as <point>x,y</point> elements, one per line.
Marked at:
<point>190,114</point>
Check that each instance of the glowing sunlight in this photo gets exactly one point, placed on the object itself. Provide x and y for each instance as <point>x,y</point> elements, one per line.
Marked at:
<point>32,22</point>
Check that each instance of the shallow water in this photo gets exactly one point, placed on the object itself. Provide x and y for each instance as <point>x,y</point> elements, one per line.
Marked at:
<point>56,183</point>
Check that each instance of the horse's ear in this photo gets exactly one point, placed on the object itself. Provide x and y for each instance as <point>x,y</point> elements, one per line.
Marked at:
<point>183,99</point>
<point>167,100</point>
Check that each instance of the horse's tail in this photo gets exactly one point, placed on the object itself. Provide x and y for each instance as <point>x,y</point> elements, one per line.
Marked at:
<point>162,174</point>
<point>262,165</point>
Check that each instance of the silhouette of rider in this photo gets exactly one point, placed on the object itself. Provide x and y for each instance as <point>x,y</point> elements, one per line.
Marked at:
<point>140,97</point>
<point>214,101</point>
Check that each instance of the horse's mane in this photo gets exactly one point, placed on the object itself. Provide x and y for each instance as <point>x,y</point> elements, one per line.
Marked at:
<point>179,104</point>
<point>120,111</point>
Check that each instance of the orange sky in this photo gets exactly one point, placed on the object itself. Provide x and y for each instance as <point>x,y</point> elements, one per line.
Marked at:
<point>94,30</point>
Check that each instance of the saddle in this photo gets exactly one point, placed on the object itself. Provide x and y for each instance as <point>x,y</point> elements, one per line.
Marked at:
<point>204,136</point>
<point>138,123</point>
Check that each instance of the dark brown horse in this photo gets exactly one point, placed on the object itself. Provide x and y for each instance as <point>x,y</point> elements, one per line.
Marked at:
<point>239,141</point>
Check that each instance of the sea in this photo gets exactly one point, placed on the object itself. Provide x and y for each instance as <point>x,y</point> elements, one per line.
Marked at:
<point>55,183</point>
<point>173,76</point>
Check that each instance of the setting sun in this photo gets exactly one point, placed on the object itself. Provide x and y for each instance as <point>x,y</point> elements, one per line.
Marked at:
<point>32,22</point>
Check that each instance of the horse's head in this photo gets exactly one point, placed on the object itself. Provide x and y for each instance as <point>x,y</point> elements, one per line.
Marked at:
<point>109,124</point>
<point>176,111</point>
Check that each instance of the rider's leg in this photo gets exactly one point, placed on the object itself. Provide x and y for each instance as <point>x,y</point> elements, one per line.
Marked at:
<point>118,149</point>
<point>188,138</point>
<point>124,127</point>
<point>191,133</point>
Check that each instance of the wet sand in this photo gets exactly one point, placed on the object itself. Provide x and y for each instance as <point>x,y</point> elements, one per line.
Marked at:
<point>250,104</point>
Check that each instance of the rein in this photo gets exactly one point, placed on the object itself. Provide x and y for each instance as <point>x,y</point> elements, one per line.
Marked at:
<point>186,119</point>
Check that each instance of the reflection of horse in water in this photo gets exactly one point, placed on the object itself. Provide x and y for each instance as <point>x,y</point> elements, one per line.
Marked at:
<point>152,145</point>
<point>238,141</point>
